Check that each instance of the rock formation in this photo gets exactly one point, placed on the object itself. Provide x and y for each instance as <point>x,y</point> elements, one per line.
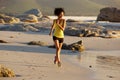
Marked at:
<point>28,18</point>
<point>2,21</point>
<point>85,32</point>
<point>35,12</point>
<point>20,27</point>
<point>32,15</point>
<point>39,43</point>
<point>6,72</point>
<point>109,14</point>
<point>93,30</point>
<point>2,41</point>
<point>8,19</point>
<point>77,46</point>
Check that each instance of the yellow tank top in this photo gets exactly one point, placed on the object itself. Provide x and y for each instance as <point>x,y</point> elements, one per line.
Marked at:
<point>58,32</point>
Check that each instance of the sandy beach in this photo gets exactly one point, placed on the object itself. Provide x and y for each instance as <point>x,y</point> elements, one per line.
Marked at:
<point>91,33</point>
<point>36,62</point>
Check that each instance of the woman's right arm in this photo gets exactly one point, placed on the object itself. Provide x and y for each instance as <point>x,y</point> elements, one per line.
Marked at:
<point>52,28</point>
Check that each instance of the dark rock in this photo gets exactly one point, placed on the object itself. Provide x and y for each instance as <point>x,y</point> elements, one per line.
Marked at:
<point>2,41</point>
<point>72,20</point>
<point>40,43</point>
<point>90,66</point>
<point>78,46</point>
<point>109,14</point>
<point>11,36</point>
<point>110,76</point>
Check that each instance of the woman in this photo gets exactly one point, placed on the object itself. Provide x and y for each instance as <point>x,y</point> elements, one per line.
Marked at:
<point>58,37</point>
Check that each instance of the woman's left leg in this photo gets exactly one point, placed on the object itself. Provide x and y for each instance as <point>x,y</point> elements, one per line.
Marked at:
<point>59,51</point>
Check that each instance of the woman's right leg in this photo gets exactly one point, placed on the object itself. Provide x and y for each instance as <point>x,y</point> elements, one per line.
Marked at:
<point>57,57</point>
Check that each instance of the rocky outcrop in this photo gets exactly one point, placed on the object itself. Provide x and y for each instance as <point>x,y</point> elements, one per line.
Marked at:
<point>2,41</point>
<point>39,43</point>
<point>6,72</point>
<point>8,19</point>
<point>77,46</point>
<point>86,32</point>
<point>26,27</point>
<point>2,21</point>
<point>93,30</point>
<point>44,18</point>
<point>35,12</point>
<point>20,27</point>
<point>28,18</point>
<point>109,14</point>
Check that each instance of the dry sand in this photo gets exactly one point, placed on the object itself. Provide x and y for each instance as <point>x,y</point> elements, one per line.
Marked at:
<point>36,63</point>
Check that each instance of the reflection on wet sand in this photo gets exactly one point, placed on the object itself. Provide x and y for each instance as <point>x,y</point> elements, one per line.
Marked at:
<point>106,64</point>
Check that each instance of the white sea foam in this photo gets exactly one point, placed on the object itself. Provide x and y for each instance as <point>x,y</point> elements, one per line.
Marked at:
<point>83,18</point>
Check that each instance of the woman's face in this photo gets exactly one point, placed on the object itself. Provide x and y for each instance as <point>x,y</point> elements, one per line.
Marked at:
<point>61,15</point>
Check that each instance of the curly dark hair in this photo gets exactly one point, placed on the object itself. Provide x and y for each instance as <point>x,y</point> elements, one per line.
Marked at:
<point>57,11</point>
